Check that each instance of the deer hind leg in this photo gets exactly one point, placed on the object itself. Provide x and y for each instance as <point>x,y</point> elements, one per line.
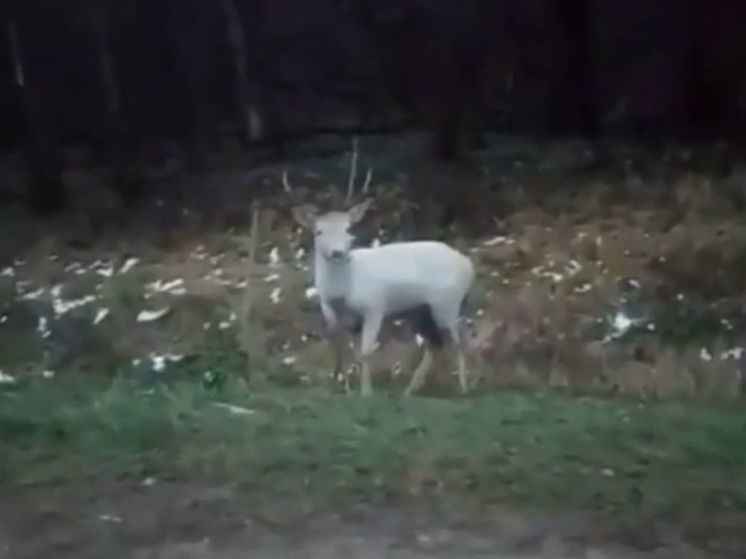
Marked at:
<point>448,317</point>
<point>418,377</point>
<point>463,375</point>
<point>426,326</point>
<point>459,345</point>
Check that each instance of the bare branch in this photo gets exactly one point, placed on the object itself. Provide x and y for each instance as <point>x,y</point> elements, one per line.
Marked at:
<point>106,59</point>
<point>285,182</point>
<point>246,336</point>
<point>353,170</point>
<point>237,41</point>
<point>368,178</point>
<point>15,53</point>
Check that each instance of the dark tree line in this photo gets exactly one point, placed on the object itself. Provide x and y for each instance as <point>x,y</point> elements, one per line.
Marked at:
<point>120,74</point>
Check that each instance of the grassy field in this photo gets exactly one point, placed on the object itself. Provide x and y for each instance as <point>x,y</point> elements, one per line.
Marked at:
<point>537,449</point>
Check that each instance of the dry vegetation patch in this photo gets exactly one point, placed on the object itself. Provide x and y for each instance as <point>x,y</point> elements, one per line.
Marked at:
<point>623,282</point>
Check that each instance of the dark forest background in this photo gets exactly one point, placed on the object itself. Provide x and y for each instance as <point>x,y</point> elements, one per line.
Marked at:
<point>122,76</point>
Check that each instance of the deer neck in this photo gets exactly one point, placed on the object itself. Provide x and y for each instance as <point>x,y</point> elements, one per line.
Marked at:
<point>333,279</point>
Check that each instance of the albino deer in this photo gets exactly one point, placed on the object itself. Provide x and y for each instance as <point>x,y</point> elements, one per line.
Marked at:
<point>424,281</point>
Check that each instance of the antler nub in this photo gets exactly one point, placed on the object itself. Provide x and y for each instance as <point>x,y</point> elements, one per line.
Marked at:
<point>353,173</point>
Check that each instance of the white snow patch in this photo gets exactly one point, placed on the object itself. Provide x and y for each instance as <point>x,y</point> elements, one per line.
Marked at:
<point>274,257</point>
<point>33,295</point>
<point>733,353</point>
<point>573,267</point>
<point>235,410</point>
<point>128,265</point>
<point>42,326</point>
<point>620,323</point>
<point>159,362</point>
<point>275,295</point>
<point>500,239</point>
<point>62,307</point>
<point>102,268</point>
<point>101,314</point>
<point>199,253</point>
<point>150,316</point>
<point>584,287</point>
<point>173,287</point>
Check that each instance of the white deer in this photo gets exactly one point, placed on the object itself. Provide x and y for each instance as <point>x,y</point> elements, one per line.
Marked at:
<point>424,281</point>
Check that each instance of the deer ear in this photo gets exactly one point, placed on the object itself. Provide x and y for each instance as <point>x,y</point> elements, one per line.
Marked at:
<point>357,212</point>
<point>305,215</point>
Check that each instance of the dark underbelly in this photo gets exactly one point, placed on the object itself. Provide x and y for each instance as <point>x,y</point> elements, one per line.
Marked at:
<point>420,318</point>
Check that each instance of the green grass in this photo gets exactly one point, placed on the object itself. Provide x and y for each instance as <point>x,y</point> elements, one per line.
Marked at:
<point>537,449</point>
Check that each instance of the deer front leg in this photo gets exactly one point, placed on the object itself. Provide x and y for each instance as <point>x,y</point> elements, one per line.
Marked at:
<point>463,376</point>
<point>371,327</point>
<point>460,345</point>
<point>335,336</point>
<point>330,317</point>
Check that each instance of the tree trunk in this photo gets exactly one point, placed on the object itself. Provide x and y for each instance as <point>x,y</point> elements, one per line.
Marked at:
<point>250,118</point>
<point>191,52</point>
<point>128,179</point>
<point>275,125</point>
<point>577,107</point>
<point>34,77</point>
<point>447,140</point>
<point>449,103</point>
<point>462,38</point>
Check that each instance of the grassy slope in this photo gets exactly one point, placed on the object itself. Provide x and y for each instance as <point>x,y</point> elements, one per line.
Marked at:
<point>539,449</point>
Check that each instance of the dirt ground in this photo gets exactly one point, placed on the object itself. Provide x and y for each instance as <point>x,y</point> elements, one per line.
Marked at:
<point>173,520</point>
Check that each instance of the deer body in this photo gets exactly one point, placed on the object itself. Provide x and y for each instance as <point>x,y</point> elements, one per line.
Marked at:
<point>393,278</point>
<point>427,280</point>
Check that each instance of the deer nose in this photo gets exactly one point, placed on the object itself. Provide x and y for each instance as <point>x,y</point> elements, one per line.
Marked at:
<point>336,254</point>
